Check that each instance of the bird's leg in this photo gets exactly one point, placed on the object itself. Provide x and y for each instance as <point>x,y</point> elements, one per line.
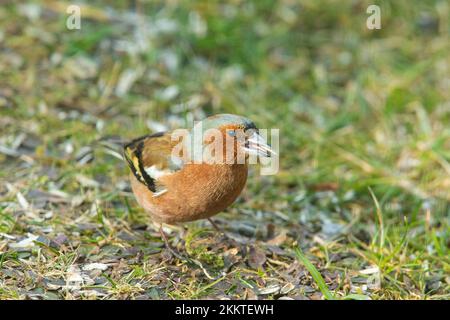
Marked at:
<point>179,256</point>
<point>218,228</point>
<point>215,225</point>
<point>168,246</point>
<point>233,242</point>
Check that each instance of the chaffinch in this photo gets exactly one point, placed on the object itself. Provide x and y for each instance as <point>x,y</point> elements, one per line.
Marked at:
<point>175,187</point>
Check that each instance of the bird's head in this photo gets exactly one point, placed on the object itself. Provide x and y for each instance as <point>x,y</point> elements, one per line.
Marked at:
<point>242,131</point>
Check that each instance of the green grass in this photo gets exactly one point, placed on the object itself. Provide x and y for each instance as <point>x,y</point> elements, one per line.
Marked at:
<point>364,183</point>
<point>315,274</point>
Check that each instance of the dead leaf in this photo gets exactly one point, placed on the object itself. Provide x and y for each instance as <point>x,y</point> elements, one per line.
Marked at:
<point>278,240</point>
<point>256,258</point>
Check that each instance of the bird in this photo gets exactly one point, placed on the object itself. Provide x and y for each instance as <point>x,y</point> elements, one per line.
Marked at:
<point>195,182</point>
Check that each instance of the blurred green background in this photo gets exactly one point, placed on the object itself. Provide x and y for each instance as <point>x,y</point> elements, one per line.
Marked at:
<point>364,119</point>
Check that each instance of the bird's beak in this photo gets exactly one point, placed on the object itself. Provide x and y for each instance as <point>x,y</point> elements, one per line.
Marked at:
<point>256,145</point>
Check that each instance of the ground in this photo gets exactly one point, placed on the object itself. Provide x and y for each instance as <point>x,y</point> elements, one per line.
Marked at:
<point>358,210</point>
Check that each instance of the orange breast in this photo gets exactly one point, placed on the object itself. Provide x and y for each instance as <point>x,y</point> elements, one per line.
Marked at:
<point>197,191</point>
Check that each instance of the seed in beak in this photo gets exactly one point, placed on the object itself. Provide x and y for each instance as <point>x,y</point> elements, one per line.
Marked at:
<point>256,145</point>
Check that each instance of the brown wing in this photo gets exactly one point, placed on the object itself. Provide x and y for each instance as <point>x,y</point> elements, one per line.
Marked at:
<point>149,157</point>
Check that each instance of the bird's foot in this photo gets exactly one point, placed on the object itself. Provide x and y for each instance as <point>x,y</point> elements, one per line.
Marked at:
<point>181,257</point>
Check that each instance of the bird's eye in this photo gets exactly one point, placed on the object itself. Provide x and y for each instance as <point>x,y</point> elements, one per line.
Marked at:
<point>231,133</point>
